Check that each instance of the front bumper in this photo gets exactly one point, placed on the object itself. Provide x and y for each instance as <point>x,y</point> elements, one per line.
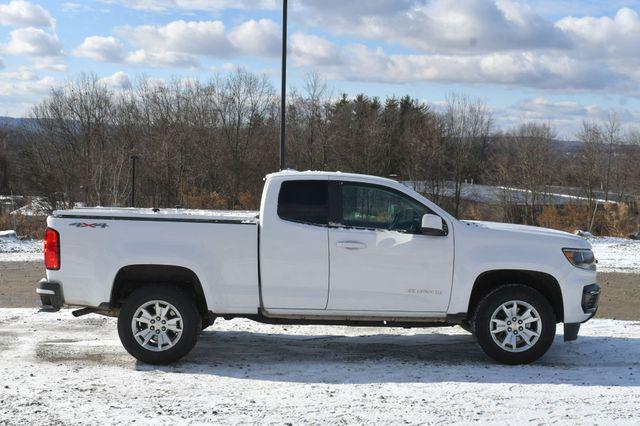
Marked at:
<point>50,294</point>
<point>589,303</point>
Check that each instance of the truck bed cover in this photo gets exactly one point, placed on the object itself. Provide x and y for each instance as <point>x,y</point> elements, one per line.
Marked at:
<point>168,215</point>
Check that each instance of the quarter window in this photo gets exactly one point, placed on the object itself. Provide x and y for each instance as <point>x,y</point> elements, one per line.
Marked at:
<point>368,206</point>
<point>304,201</point>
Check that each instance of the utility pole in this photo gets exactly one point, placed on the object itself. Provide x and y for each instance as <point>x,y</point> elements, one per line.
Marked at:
<point>133,180</point>
<point>283,93</point>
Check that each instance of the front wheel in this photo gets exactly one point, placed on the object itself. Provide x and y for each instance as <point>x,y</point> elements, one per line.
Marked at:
<point>514,324</point>
<point>158,324</point>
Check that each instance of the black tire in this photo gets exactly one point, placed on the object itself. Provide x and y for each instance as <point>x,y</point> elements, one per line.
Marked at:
<point>492,301</point>
<point>185,305</point>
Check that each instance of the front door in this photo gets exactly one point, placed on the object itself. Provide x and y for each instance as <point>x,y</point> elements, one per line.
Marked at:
<point>379,260</point>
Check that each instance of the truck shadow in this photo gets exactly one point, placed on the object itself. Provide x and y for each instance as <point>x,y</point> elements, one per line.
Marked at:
<point>387,358</point>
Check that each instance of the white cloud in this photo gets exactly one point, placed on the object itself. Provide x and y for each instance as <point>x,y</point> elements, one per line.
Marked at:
<point>159,58</point>
<point>17,96</point>
<point>475,41</point>
<point>357,62</point>
<point>111,49</point>
<point>25,14</point>
<point>224,68</point>
<point>103,49</point>
<point>197,5</point>
<point>190,37</point>
<point>118,81</point>
<point>51,63</point>
<point>33,42</point>
<point>438,26</point>
<point>183,43</point>
<point>19,74</point>
<point>260,38</point>
<point>309,49</point>
<point>564,116</point>
<point>544,109</point>
<point>612,37</point>
<point>71,7</point>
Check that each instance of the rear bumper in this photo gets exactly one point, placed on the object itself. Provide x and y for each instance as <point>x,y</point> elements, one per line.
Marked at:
<point>51,297</point>
<point>589,304</point>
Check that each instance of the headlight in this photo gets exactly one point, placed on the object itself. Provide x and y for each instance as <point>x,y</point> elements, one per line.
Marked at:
<point>581,258</point>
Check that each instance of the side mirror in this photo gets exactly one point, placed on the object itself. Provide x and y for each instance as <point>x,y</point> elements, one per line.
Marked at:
<point>432,225</point>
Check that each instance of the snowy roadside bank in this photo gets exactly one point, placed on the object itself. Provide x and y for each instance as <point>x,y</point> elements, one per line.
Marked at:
<point>616,254</point>
<point>13,249</point>
<point>57,369</point>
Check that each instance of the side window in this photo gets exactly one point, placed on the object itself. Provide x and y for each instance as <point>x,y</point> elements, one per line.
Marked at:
<point>304,201</point>
<point>366,206</point>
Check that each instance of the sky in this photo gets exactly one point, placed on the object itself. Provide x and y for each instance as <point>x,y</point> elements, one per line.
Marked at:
<point>557,62</point>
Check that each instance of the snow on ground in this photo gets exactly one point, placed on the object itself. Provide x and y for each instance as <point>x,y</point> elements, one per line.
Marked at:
<point>57,369</point>
<point>13,249</point>
<point>616,254</point>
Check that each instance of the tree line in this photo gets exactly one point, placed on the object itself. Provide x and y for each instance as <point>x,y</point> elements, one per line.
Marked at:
<point>209,145</point>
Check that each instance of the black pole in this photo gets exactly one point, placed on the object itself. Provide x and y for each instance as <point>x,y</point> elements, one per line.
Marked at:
<point>283,94</point>
<point>133,180</point>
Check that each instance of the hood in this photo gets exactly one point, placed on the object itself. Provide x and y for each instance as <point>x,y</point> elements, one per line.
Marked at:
<point>531,231</point>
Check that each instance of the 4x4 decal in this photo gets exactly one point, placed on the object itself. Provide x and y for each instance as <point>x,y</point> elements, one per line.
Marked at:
<point>88,225</point>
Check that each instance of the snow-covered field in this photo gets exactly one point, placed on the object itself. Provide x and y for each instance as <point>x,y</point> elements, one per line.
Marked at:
<point>616,254</point>
<point>12,249</point>
<point>55,369</point>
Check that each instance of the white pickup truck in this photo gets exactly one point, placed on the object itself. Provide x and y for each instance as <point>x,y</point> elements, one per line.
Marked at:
<point>325,248</point>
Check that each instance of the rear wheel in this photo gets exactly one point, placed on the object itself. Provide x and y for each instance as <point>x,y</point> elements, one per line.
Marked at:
<point>158,324</point>
<point>514,324</point>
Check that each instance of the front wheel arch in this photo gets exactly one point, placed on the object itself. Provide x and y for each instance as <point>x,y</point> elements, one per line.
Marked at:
<point>542,282</point>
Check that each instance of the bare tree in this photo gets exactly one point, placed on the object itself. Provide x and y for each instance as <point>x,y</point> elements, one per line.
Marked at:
<point>612,137</point>
<point>241,102</point>
<point>467,128</point>
<point>4,161</point>
<point>588,162</point>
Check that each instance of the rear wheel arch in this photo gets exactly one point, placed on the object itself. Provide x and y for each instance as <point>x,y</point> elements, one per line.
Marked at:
<point>544,283</point>
<point>131,277</point>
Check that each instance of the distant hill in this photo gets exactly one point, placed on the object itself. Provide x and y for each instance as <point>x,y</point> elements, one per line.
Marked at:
<point>13,122</point>
<point>568,146</point>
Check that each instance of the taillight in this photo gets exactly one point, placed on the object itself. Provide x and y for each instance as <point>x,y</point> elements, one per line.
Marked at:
<point>51,249</point>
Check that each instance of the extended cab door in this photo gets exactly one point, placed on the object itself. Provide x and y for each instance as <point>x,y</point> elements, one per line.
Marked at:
<point>294,252</point>
<point>380,262</point>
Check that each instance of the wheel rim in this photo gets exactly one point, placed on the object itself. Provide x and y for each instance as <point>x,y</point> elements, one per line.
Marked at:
<point>515,326</point>
<point>157,325</point>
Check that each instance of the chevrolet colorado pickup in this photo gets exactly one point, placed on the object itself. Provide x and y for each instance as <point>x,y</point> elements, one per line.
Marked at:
<point>325,248</point>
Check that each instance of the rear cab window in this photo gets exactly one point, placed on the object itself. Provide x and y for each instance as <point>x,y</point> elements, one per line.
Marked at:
<point>304,201</point>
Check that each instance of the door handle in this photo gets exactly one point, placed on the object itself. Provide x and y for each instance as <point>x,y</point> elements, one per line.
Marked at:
<point>351,245</point>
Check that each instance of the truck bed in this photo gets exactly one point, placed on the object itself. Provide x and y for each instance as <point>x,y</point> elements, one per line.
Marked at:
<point>219,247</point>
<point>163,215</point>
